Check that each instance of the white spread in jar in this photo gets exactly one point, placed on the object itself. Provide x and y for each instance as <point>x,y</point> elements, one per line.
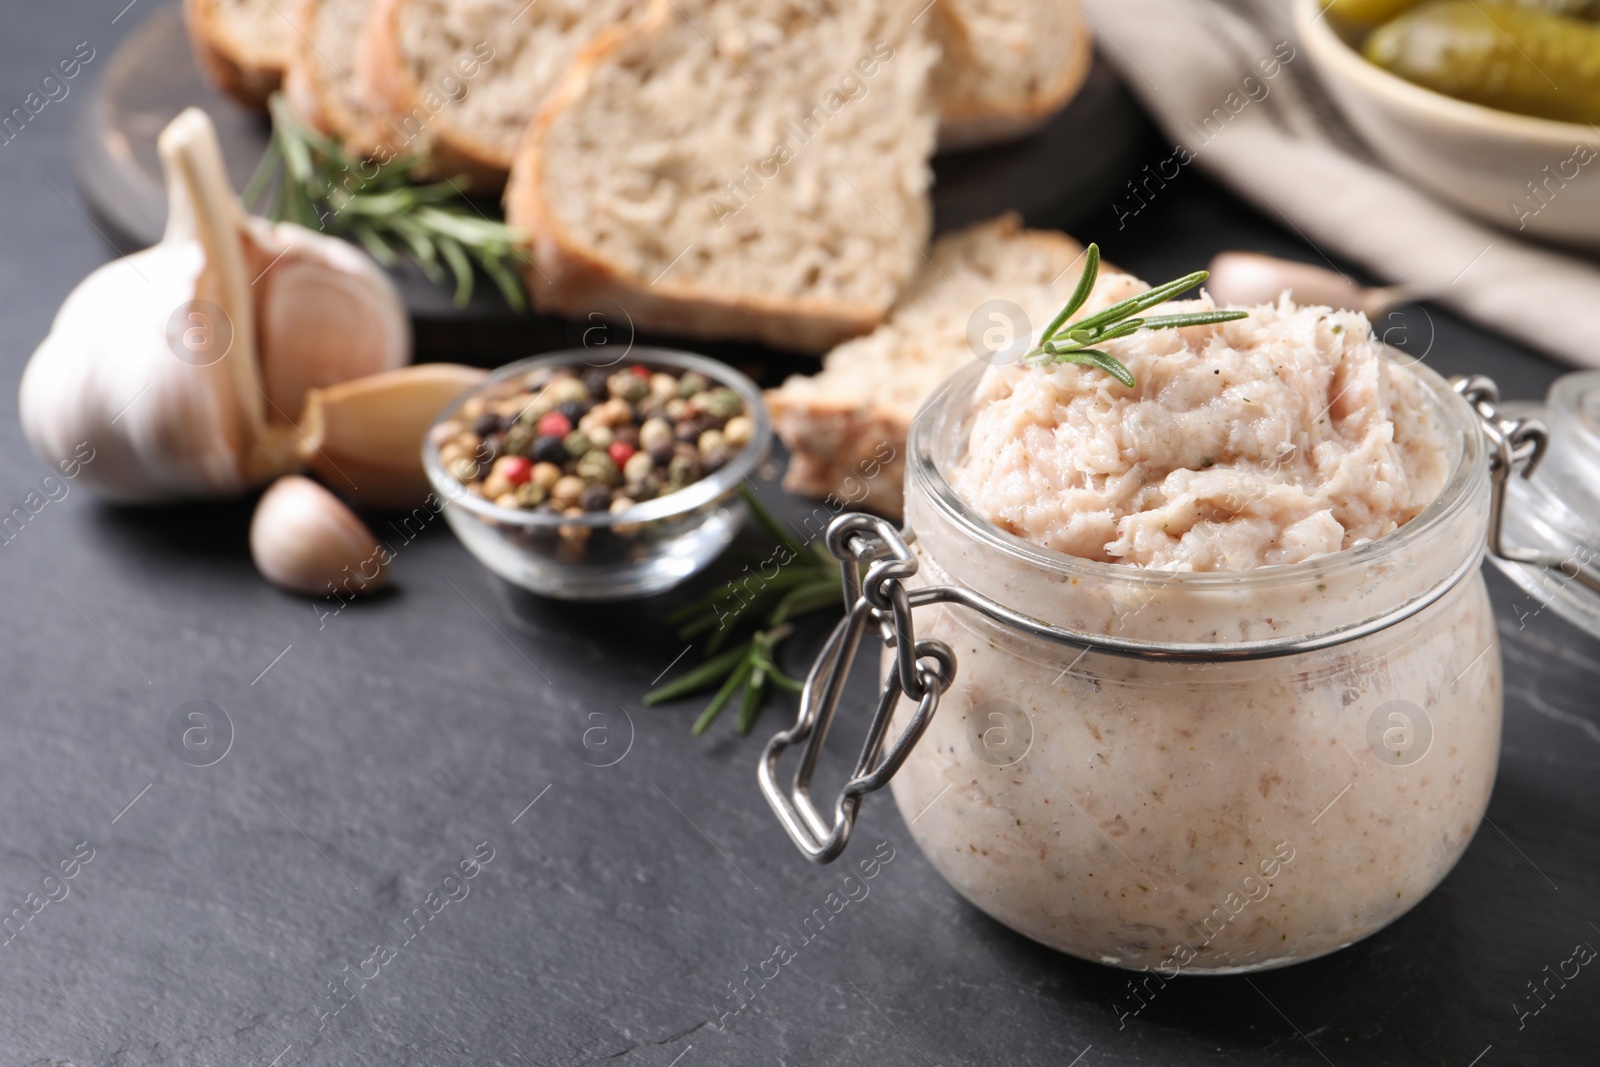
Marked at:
<point>1267,440</point>
<point>1204,815</point>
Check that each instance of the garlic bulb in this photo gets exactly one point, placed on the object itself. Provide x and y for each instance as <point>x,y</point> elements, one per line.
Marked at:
<point>185,365</point>
<point>1245,278</point>
<point>306,540</point>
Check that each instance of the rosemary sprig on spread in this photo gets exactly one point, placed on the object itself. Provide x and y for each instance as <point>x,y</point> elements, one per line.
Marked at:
<point>807,581</point>
<point>322,188</point>
<point>1063,343</point>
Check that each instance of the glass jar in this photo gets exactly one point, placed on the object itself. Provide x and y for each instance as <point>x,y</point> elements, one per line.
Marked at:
<point>1185,772</point>
<point>1557,509</point>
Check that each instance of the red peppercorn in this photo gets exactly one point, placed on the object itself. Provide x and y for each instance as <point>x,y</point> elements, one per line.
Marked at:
<point>555,424</point>
<point>620,452</point>
<point>639,370</point>
<point>516,469</point>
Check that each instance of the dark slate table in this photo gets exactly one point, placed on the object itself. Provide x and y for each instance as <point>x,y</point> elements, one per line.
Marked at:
<point>628,873</point>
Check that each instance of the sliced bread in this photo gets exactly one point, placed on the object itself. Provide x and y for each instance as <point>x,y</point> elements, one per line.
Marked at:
<point>457,81</point>
<point>744,169</point>
<point>322,82</point>
<point>845,428</point>
<point>1008,66</point>
<point>242,45</point>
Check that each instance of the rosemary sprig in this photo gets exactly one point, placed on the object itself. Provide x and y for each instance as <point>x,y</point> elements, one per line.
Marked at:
<point>322,188</point>
<point>1075,343</point>
<point>807,583</point>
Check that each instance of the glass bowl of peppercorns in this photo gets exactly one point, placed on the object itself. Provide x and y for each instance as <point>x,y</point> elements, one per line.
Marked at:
<point>588,482</point>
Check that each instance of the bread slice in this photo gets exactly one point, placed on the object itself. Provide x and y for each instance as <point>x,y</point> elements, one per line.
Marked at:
<point>743,169</point>
<point>1009,65</point>
<point>322,82</point>
<point>457,81</point>
<point>242,45</point>
<point>845,427</point>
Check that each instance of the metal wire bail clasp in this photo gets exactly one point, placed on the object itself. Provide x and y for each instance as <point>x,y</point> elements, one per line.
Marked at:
<point>1518,445</point>
<point>922,671</point>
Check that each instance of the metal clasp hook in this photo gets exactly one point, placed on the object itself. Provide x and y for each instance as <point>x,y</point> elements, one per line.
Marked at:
<point>923,671</point>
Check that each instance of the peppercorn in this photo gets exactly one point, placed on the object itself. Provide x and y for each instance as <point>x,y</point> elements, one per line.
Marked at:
<point>627,434</point>
<point>555,424</point>
<point>691,383</point>
<point>597,467</point>
<point>594,379</point>
<point>486,424</point>
<point>573,410</point>
<point>681,471</point>
<point>491,449</point>
<point>565,390</point>
<point>595,498</point>
<point>549,449</point>
<point>530,495</point>
<point>675,409</point>
<point>654,433</point>
<point>623,529</point>
<point>545,475</point>
<point>636,466</point>
<point>574,535</point>
<point>464,469</point>
<point>722,402</point>
<point>739,430</point>
<point>663,385</point>
<point>645,488</point>
<point>713,449</point>
<point>565,493</point>
<point>576,443</point>
<point>601,437</point>
<point>513,469</point>
<point>620,452</point>
<point>626,387</point>
<point>519,439</point>
<point>686,431</point>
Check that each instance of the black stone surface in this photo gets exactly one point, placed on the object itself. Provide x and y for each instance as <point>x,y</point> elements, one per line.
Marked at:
<point>375,749</point>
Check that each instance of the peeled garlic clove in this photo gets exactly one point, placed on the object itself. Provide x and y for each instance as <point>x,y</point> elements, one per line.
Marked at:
<point>325,313</point>
<point>304,539</point>
<point>1246,278</point>
<point>367,434</point>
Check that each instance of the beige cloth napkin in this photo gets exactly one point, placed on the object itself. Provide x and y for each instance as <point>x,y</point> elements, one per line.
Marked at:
<point>1289,152</point>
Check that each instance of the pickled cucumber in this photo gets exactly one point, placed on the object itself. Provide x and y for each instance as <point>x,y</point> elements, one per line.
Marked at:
<point>1499,55</point>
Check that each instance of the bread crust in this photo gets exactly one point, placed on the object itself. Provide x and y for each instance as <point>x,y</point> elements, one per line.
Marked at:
<point>394,94</point>
<point>966,124</point>
<point>566,278</point>
<point>835,443</point>
<point>248,79</point>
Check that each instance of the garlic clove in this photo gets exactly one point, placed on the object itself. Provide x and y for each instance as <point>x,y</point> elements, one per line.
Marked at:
<point>367,434</point>
<point>325,313</point>
<point>1246,278</point>
<point>304,539</point>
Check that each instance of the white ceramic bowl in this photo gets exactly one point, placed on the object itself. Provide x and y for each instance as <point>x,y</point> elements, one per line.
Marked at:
<point>1476,158</point>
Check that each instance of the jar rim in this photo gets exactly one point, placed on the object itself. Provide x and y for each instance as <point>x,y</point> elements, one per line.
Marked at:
<point>950,404</point>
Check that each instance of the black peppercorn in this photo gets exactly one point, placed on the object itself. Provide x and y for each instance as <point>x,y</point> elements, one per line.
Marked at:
<point>628,435</point>
<point>549,449</point>
<point>595,498</point>
<point>594,380</point>
<point>573,410</point>
<point>486,424</point>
